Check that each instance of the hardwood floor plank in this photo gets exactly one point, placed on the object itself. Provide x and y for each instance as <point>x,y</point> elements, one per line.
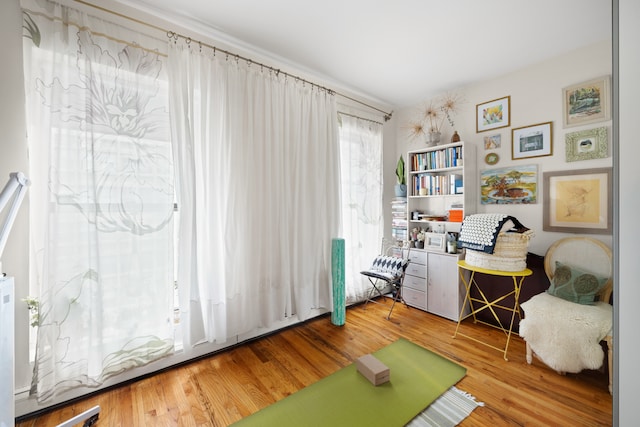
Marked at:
<point>227,386</point>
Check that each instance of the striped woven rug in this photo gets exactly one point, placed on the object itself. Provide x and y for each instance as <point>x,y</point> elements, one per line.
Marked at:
<point>453,406</point>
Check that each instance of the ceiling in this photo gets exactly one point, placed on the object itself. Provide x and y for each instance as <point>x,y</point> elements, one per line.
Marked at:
<point>400,52</point>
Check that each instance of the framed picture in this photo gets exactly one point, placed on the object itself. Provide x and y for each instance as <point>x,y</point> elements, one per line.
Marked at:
<point>493,114</point>
<point>509,185</point>
<point>435,241</point>
<point>492,142</point>
<point>587,144</point>
<point>578,201</point>
<point>491,158</point>
<point>532,141</point>
<point>586,102</point>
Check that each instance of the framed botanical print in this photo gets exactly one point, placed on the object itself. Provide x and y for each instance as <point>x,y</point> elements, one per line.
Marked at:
<point>493,114</point>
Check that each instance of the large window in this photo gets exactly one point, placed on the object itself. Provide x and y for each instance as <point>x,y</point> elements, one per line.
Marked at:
<point>256,163</point>
<point>101,198</point>
<point>361,184</point>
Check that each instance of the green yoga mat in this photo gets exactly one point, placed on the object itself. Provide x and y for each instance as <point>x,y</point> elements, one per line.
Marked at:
<point>346,398</point>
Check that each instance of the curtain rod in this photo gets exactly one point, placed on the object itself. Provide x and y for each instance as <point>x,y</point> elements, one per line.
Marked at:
<point>176,36</point>
<point>359,118</point>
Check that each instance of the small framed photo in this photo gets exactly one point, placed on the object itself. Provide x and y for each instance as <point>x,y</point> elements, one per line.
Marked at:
<point>587,144</point>
<point>532,141</point>
<point>435,241</point>
<point>586,102</point>
<point>491,158</point>
<point>493,114</point>
<point>491,142</point>
<point>578,201</point>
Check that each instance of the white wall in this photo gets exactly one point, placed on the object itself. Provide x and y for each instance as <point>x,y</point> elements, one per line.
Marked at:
<point>536,97</point>
<point>13,157</point>
<point>626,331</point>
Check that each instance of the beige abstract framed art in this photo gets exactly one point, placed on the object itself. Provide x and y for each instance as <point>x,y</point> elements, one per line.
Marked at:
<point>578,201</point>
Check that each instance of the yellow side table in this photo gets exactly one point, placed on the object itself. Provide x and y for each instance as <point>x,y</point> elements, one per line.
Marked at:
<point>484,303</point>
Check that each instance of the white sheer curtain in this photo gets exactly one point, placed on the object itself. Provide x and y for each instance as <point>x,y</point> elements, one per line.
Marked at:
<point>258,185</point>
<point>101,197</point>
<point>361,167</point>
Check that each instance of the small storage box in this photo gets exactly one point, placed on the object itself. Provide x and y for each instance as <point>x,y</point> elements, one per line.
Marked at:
<point>373,369</point>
<point>455,215</point>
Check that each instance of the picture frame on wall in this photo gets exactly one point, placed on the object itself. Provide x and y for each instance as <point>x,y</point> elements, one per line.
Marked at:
<point>587,144</point>
<point>587,102</point>
<point>578,201</point>
<point>532,141</point>
<point>509,185</point>
<point>491,158</point>
<point>493,114</point>
<point>491,142</point>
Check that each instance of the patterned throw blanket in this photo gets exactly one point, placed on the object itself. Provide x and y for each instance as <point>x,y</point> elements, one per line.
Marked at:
<point>479,232</point>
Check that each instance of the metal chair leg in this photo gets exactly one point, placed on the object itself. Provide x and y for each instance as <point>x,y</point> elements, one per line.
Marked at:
<point>374,288</point>
<point>398,297</point>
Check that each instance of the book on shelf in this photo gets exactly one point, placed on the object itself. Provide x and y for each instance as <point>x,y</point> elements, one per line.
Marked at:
<point>399,233</point>
<point>455,182</point>
<point>436,185</point>
<point>397,222</point>
<point>450,157</point>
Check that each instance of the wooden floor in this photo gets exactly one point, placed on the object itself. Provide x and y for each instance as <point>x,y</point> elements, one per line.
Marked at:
<point>221,389</point>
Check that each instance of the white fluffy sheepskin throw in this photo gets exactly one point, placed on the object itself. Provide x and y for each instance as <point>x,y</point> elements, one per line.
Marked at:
<point>565,335</point>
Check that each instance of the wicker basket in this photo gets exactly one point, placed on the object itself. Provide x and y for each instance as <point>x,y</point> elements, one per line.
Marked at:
<point>509,253</point>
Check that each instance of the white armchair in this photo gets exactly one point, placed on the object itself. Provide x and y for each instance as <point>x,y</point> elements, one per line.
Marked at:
<point>564,326</point>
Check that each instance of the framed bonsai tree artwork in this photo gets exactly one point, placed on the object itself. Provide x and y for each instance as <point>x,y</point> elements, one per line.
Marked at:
<point>509,185</point>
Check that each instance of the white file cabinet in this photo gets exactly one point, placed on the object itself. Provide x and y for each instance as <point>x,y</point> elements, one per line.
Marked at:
<point>432,283</point>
